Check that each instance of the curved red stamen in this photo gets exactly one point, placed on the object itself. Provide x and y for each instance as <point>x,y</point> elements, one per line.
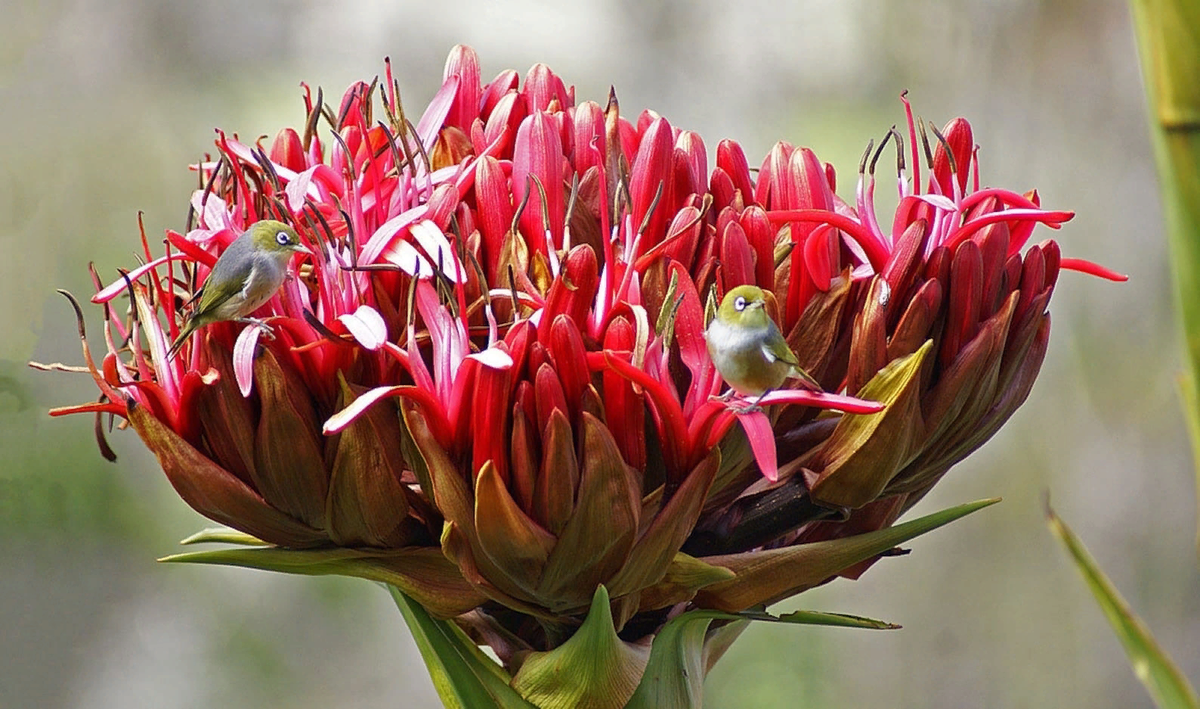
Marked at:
<point>1050,219</point>
<point>1093,269</point>
<point>876,250</point>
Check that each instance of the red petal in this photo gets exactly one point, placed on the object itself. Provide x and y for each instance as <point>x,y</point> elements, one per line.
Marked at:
<point>962,144</point>
<point>574,291</point>
<point>736,257</point>
<point>435,113</point>
<point>588,148</point>
<point>548,393</point>
<point>505,82</point>
<point>732,160</point>
<point>668,416</point>
<point>771,187</point>
<point>566,347</point>
<point>624,409</point>
<point>689,333</point>
<point>288,150</point>
<point>489,424</point>
<point>821,257</point>
<point>760,233</point>
<point>502,123</point>
<point>691,155</point>
<point>965,294</point>
<point>724,194</point>
<point>539,155</point>
<point>650,174</point>
<point>463,63</point>
<point>542,87</point>
<point>182,243</point>
<point>905,262</point>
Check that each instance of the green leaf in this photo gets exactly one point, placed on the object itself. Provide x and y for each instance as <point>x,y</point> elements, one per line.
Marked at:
<point>657,548</point>
<point>764,577</point>
<point>866,450</point>
<point>421,572</point>
<point>836,620</point>
<point>465,678</point>
<point>597,539</point>
<point>674,676</point>
<point>594,669</point>
<point>685,575</point>
<point>1166,684</point>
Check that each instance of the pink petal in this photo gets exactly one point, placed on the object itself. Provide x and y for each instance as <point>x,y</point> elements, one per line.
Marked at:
<point>213,212</point>
<point>367,326</point>
<point>937,201</point>
<point>346,416</point>
<point>493,357</point>
<point>435,114</point>
<point>439,250</point>
<point>762,441</point>
<point>300,187</point>
<point>386,234</point>
<point>822,400</point>
<point>243,358</point>
<point>499,87</point>
<point>464,64</point>
<point>119,286</point>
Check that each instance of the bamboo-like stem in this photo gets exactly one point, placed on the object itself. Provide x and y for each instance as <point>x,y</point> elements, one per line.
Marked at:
<point>1168,35</point>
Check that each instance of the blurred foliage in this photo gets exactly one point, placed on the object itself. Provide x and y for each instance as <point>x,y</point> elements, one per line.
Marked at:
<point>56,492</point>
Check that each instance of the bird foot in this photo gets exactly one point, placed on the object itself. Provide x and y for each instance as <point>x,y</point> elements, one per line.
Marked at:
<point>723,398</point>
<point>749,404</point>
<point>262,325</point>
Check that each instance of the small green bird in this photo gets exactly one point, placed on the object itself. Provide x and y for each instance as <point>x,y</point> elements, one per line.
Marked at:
<point>747,348</point>
<point>244,278</point>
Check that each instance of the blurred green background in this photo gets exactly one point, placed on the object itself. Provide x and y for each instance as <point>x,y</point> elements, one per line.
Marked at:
<point>105,102</point>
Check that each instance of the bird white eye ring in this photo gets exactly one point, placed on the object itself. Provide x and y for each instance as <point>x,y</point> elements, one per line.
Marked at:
<point>283,238</point>
<point>739,303</point>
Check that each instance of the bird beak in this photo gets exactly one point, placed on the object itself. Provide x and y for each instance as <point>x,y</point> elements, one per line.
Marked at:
<point>303,249</point>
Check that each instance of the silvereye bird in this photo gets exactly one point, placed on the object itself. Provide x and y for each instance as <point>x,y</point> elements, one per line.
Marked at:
<point>244,278</point>
<point>747,348</point>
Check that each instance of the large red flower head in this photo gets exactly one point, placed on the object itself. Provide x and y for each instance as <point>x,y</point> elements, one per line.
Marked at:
<point>489,384</point>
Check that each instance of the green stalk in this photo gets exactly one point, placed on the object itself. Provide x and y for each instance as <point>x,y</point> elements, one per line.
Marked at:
<point>1168,35</point>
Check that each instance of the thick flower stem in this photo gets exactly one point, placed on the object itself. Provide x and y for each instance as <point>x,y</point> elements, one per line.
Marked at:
<point>758,521</point>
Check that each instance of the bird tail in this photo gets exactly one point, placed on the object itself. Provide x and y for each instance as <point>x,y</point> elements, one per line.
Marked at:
<point>806,379</point>
<point>187,330</point>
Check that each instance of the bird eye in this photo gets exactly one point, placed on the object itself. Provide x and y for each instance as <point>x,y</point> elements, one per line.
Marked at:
<point>283,238</point>
<point>739,303</point>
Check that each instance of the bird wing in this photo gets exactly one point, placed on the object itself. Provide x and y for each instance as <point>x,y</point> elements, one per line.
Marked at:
<point>234,266</point>
<point>780,352</point>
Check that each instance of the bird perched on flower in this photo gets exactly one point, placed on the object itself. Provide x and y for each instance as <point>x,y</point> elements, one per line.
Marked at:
<point>747,348</point>
<point>244,278</point>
